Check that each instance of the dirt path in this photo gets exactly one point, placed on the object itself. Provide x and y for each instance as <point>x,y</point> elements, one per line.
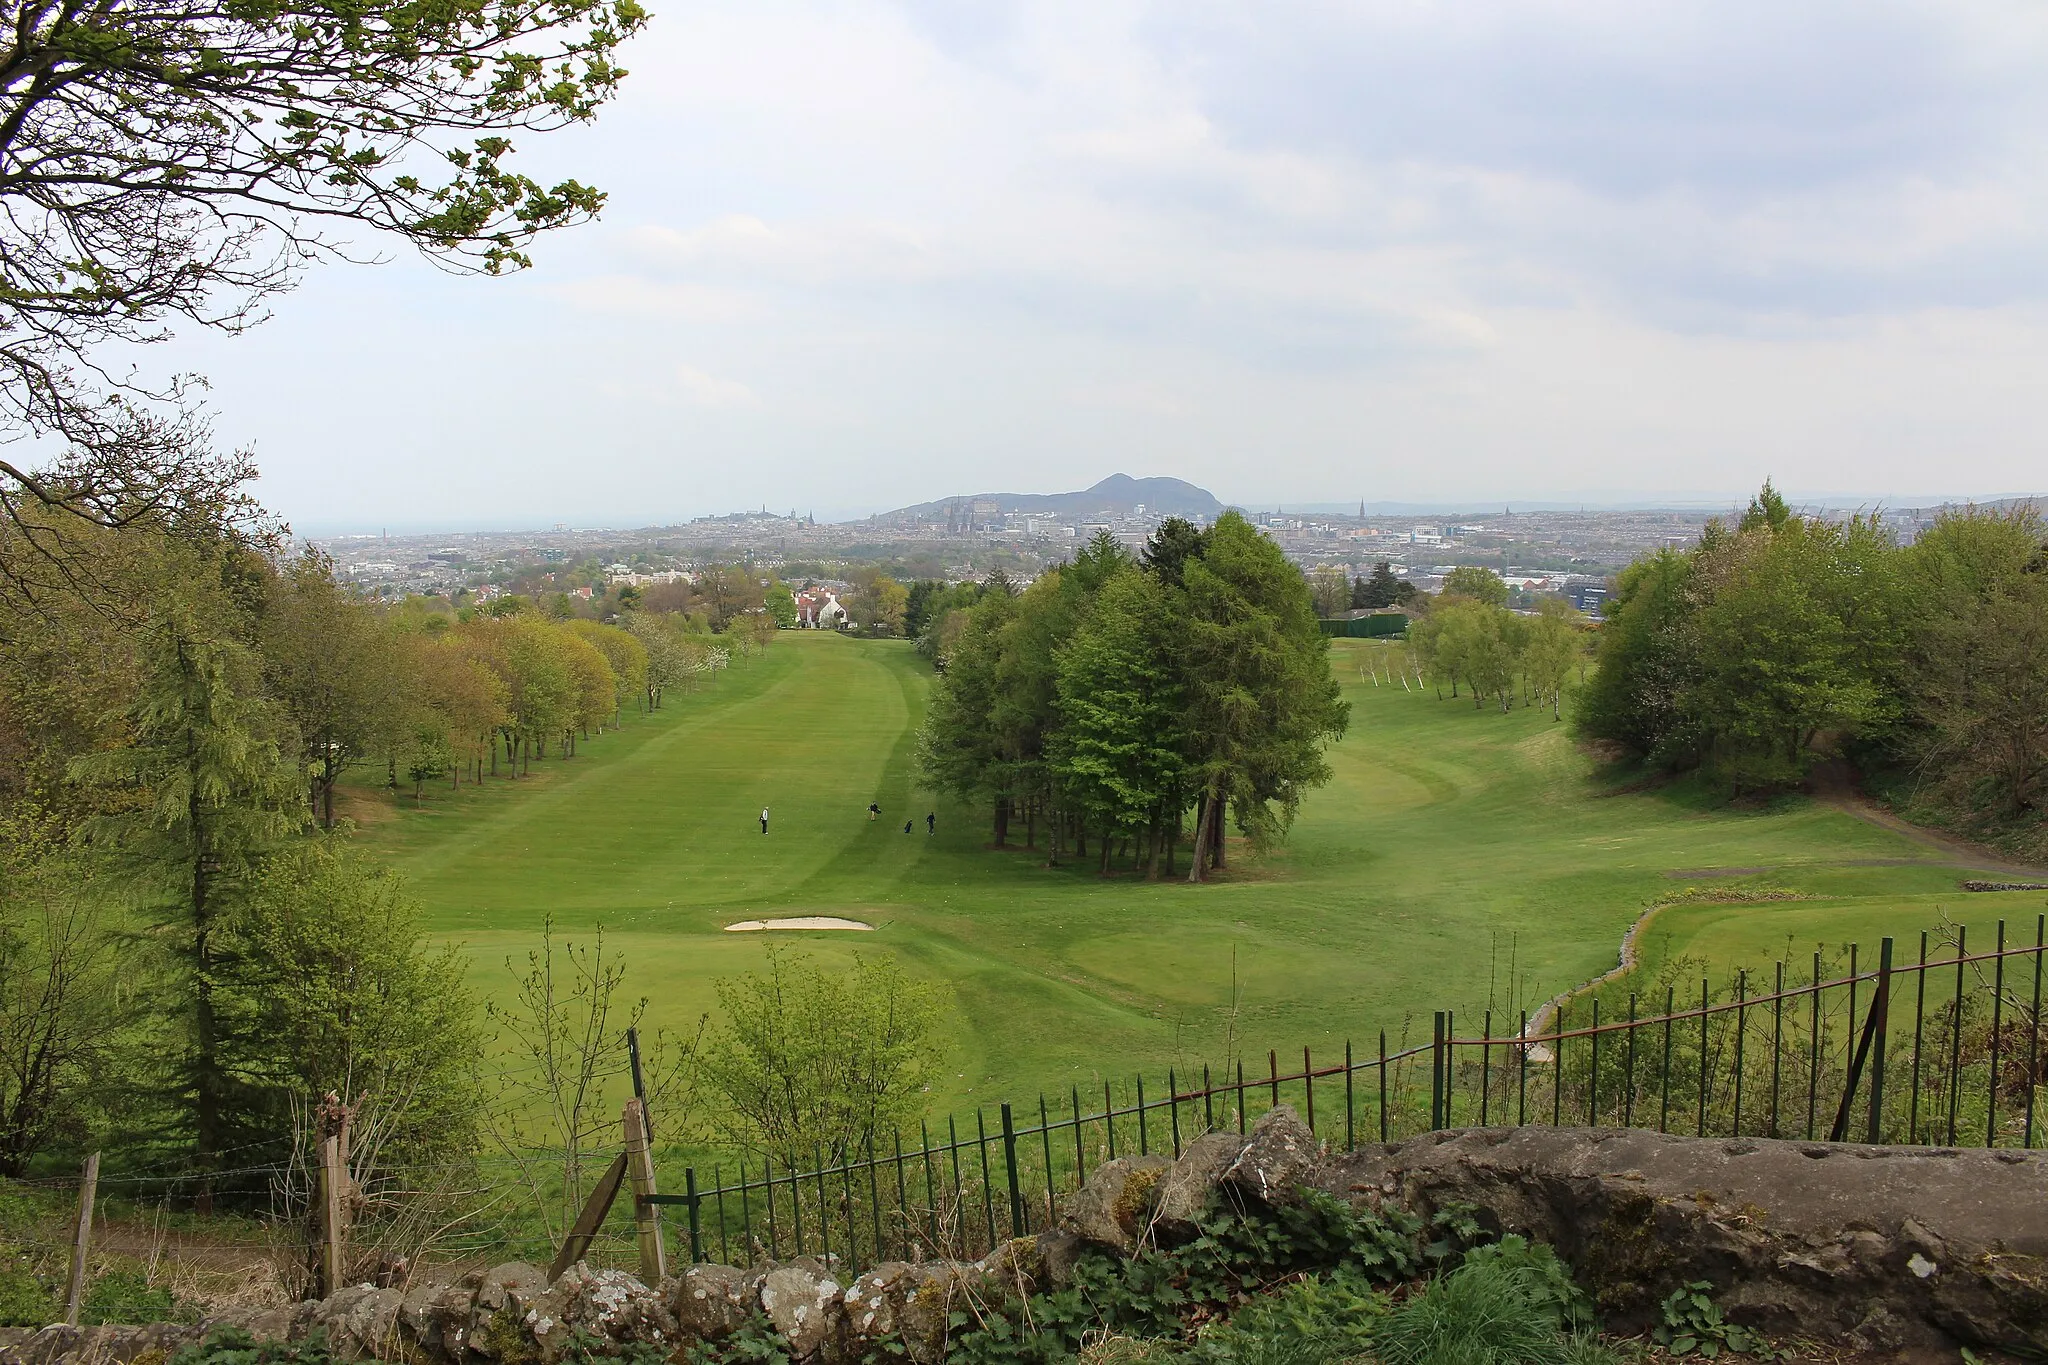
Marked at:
<point>1973,856</point>
<point>1834,785</point>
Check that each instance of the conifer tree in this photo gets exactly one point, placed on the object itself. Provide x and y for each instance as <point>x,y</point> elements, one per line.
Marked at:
<point>209,791</point>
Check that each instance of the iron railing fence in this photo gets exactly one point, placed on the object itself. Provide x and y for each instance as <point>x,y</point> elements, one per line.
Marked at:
<point>1836,1057</point>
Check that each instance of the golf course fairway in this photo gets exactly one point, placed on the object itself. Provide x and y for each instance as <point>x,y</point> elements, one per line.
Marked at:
<point>1460,858</point>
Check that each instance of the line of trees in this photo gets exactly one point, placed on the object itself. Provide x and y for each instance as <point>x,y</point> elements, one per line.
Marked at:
<point>439,694</point>
<point>1783,640</point>
<point>1468,638</point>
<point>188,948</point>
<point>1116,696</point>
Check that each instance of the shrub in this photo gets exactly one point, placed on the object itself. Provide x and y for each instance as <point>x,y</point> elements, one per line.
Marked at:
<point>125,1296</point>
<point>25,1301</point>
<point>28,1237</point>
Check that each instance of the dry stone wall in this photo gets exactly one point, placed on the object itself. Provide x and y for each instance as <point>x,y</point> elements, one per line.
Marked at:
<point>1873,1248</point>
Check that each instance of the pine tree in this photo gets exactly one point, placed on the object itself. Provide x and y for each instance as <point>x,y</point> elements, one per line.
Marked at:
<point>1261,702</point>
<point>211,791</point>
<point>1117,751</point>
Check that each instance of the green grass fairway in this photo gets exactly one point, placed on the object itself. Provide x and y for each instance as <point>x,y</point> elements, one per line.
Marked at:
<point>1451,843</point>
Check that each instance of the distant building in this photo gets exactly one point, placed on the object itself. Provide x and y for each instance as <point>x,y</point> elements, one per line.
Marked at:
<point>819,609</point>
<point>1587,597</point>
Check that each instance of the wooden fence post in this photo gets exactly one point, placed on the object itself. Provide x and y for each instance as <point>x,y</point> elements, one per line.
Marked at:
<point>584,1231</point>
<point>331,1215</point>
<point>335,1194</point>
<point>81,1240</point>
<point>640,1167</point>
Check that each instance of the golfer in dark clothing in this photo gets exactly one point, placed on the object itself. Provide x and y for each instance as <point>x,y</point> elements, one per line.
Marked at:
<point>931,823</point>
<point>764,819</point>
<point>873,810</point>
<point>906,827</point>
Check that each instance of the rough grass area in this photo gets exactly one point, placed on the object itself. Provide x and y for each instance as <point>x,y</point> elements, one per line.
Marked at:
<point>1460,855</point>
<point>145,1264</point>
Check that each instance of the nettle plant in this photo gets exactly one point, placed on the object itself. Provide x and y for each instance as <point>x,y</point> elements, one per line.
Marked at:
<point>1692,1324</point>
<point>1321,1251</point>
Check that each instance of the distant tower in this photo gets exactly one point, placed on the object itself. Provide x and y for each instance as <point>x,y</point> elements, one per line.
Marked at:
<point>1361,509</point>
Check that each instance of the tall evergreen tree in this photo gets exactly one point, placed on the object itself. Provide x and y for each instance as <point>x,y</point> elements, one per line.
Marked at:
<point>1381,590</point>
<point>1171,547</point>
<point>1261,702</point>
<point>210,791</point>
<point>957,749</point>
<point>1117,752</point>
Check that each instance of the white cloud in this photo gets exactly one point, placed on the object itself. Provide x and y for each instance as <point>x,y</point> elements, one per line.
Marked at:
<point>701,390</point>
<point>1395,248</point>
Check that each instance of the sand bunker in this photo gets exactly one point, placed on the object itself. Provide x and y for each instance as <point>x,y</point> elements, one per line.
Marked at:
<point>748,926</point>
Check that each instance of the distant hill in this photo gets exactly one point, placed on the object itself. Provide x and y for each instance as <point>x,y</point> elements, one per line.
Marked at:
<point>1118,493</point>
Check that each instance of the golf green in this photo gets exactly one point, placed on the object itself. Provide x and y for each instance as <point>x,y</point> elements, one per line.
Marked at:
<point>1460,858</point>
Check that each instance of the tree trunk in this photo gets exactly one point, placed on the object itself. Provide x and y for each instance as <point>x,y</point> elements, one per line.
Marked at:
<point>1108,852</point>
<point>1205,812</point>
<point>1031,823</point>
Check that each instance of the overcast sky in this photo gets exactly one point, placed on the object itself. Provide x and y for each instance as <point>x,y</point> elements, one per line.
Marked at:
<point>863,254</point>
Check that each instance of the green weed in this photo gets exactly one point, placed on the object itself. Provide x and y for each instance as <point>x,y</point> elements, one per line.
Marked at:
<point>1483,1313</point>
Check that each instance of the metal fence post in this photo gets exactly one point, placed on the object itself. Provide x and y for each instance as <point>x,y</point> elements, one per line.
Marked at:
<point>696,1234</point>
<point>1997,1020</point>
<point>1859,1058</point>
<point>1173,1109</point>
<point>1349,1144</point>
<point>1045,1140</point>
<point>1436,1074</point>
<point>1010,1163</point>
<point>1383,1085</point>
<point>988,1185</point>
<point>1880,1008</point>
<point>2034,1033</point>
